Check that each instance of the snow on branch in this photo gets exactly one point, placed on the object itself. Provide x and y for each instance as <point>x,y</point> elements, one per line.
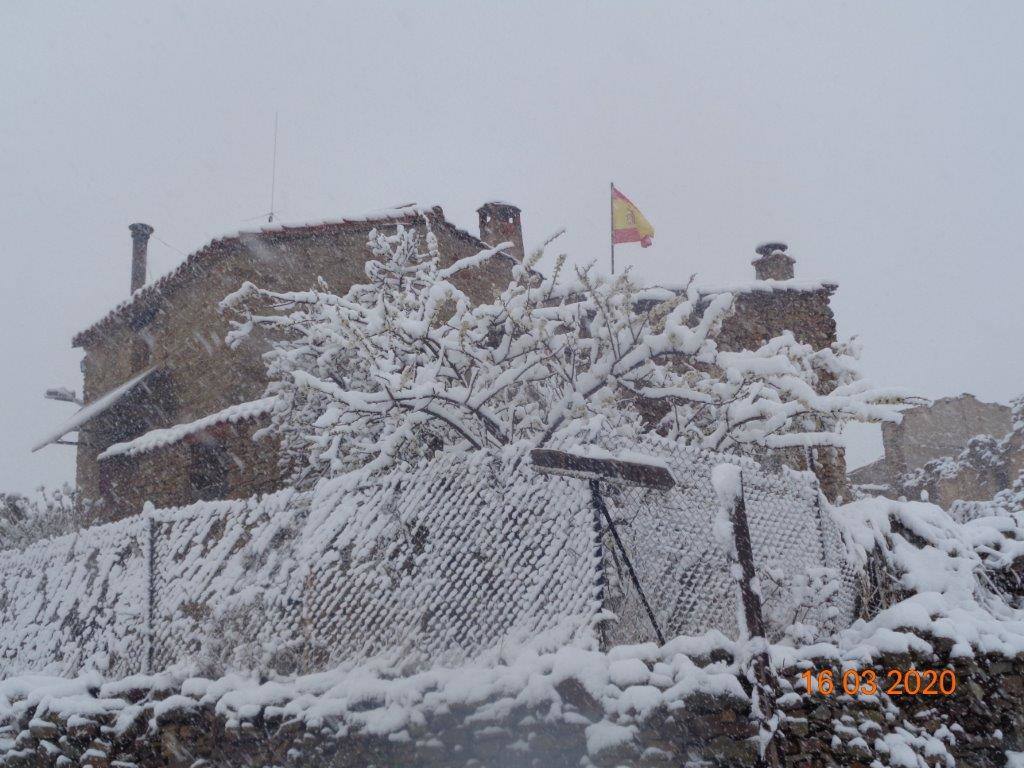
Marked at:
<point>405,364</point>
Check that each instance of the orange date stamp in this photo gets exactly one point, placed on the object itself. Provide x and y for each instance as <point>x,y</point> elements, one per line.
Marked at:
<point>867,682</point>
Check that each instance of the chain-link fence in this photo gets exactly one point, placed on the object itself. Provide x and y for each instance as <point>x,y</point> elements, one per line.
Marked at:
<point>457,558</point>
<point>669,534</point>
<point>78,599</point>
<point>226,584</point>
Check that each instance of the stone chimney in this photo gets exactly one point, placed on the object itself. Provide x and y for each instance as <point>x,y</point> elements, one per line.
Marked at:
<point>500,223</point>
<point>140,246</point>
<point>772,262</point>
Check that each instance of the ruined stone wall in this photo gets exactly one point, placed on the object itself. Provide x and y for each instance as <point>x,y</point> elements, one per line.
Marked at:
<point>985,468</point>
<point>184,336</point>
<point>956,449</point>
<point>941,429</point>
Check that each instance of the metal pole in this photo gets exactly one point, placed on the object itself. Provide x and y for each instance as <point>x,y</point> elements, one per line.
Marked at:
<point>611,220</point>
<point>273,174</point>
<point>147,658</point>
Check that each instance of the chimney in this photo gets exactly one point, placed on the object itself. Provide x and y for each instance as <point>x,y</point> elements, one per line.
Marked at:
<point>140,245</point>
<point>500,223</point>
<point>773,263</point>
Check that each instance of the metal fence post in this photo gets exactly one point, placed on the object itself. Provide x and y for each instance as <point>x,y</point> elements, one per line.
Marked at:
<point>147,659</point>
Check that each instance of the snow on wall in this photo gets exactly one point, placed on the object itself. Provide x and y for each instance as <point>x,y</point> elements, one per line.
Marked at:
<point>161,438</point>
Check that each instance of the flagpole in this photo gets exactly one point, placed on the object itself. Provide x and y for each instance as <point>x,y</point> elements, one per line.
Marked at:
<point>611,220</point>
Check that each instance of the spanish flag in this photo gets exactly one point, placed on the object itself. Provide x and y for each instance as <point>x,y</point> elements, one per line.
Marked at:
<point>628,224</point>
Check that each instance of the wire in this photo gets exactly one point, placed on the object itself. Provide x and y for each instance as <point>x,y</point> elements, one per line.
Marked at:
<point>155,237</point>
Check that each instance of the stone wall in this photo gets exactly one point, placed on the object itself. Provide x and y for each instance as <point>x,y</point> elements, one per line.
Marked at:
<point>156,722</point>
<point>162,476</point>
<point>763,314</point>
<point>181,332</point>
<point>986,462</point>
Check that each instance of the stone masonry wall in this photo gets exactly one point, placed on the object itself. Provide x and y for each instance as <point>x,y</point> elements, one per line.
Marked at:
<point>161,476</point>
<point>762,315</point>
<point>148,723</point>
<point>957,449</point>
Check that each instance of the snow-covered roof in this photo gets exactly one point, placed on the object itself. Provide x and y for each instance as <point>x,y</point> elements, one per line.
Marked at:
<point>770,286</point>
<point>161,438</point>
<point>665,292</point>
<point>498,201</point>
<point>219,247</point>
<point>92,410</point>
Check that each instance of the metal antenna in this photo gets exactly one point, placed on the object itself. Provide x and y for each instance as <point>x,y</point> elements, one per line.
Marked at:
<point>273,173</point>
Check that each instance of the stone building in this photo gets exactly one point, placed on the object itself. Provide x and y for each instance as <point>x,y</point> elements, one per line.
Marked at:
<point>930,432</point>
<point>171,412</point>
<point>965,455</point>
<point>157,366</point>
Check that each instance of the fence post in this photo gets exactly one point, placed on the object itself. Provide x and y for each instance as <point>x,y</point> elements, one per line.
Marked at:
<point>147,659</point>
<point>728,483</point>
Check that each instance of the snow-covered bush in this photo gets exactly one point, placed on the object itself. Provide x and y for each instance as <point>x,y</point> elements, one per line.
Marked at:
<point>791,597</point>
<point>406,364</point>
<point>926,569</point>
<point>47,513</point>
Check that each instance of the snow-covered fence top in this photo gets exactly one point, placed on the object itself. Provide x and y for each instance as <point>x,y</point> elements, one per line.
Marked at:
<point>452,561</point>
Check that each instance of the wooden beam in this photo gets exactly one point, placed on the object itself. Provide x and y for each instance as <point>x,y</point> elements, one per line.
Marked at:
<point>609,470</point>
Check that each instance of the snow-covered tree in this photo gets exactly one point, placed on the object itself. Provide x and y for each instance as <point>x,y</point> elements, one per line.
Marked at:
<point>406,364</point>
<point>46,513</point>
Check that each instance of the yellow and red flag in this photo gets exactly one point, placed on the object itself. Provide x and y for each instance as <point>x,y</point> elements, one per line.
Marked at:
<point>628,224</point>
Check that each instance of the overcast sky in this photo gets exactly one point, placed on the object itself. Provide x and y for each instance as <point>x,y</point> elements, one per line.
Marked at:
<point>884,142</point>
